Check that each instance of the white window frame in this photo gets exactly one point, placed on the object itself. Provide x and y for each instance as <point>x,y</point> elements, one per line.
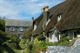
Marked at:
<point>59,18</point>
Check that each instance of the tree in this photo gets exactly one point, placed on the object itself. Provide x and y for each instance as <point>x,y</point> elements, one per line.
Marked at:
<point>4,38</point>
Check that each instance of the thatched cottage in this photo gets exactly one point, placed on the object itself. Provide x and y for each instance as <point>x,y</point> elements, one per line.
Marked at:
<point>62,19</point>
<point>69,24</point>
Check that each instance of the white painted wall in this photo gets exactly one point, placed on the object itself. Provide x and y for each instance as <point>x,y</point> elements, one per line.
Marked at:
<point>54,38</point>
<point>48,21</point>
<point>78,36</point>
<point>35,27</point>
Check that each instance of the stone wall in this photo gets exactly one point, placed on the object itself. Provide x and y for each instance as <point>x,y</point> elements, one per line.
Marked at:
<point>64,49</point>
<point>58,49</point>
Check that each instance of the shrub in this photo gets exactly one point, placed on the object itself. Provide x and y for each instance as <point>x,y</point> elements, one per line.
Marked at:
<point>63,42</point>
<point>39,45</point>
<point>22,43</point>
<point>25,50</point>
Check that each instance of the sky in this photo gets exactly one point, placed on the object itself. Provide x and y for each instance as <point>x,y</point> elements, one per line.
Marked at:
<point>24,9</point>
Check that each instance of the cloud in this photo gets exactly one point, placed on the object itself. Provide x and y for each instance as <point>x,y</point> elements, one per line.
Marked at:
<point>24,9</point>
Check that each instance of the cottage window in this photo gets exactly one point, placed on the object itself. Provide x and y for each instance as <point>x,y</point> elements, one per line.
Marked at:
<point>59,18</point>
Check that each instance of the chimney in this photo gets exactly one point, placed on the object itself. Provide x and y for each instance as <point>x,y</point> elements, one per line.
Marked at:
<point>45,16</point>
<point>45,8</point>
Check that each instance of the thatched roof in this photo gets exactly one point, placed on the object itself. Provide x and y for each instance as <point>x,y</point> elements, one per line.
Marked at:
<point>51,24</point>
<point>71,16</point>
<point>68,11</point>
<point>37,20</point>
<point>54,11</point>
<point>39,30</point>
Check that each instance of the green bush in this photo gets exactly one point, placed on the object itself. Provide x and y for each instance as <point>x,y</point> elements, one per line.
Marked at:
<point>25,50</point>
<point>39,45</point>
<point>63,42</point>
<point>23,43</point>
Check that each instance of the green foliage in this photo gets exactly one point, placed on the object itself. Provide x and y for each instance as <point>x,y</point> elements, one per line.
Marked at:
<point>43,45</point>
<point>13,38</point>
<point>8,43</point>
<point>25,50</point>
<point>36,41</point>
<point>23,43</point>
<point>63,42</point>
<point>2,25</point>
<point>39,46</point>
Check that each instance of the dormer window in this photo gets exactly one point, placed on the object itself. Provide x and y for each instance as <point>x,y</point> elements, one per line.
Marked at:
<point>59,18</point>
<point>35,27</point>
